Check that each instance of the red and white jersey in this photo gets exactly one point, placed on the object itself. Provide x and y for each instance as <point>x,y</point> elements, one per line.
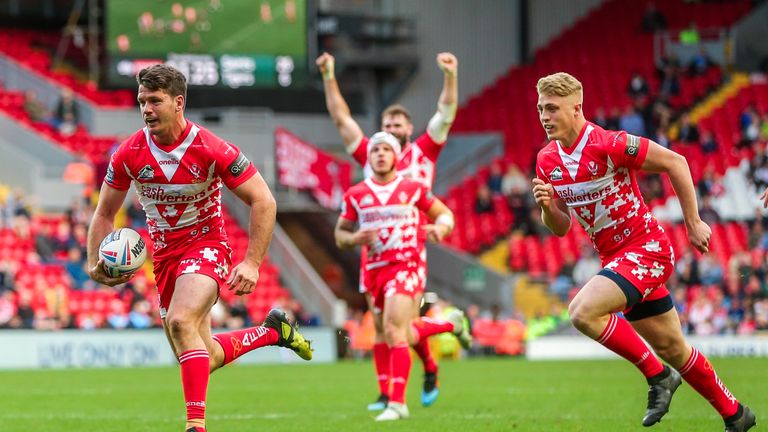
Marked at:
<point>179,186</point>
<point>417,162</point>
<point>596,179</point>
<point>393,210</point>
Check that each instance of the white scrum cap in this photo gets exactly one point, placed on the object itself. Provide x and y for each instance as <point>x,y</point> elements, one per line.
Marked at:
<point>387,138</point>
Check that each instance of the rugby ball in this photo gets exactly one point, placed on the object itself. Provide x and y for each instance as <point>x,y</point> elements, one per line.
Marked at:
<point>123,251</point>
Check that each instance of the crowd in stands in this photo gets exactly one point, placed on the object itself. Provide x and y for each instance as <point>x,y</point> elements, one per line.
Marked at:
<point>44,283</point>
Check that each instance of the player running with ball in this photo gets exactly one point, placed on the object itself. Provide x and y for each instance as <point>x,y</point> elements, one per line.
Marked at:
<point>177,169</point>
<point>589,173</point>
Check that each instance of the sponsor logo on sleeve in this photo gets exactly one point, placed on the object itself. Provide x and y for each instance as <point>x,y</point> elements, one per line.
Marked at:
<point>110,177</point>
<point>556,174</point>
<point>238,165</point>
<point>633,145</point>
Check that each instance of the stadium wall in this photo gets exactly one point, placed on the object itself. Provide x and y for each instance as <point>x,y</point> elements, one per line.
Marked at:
<point>131,348</point>
<point>580,347</point>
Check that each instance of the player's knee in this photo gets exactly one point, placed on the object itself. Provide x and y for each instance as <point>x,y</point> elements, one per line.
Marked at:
<point>394,333</point>
<point>580,316</point>
<point>180,325</point>
<point>670,350</point>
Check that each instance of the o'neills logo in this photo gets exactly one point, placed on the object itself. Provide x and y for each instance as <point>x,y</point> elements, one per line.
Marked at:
<point>159,194</point>
<point>168,162</point>
<point>571,196</point>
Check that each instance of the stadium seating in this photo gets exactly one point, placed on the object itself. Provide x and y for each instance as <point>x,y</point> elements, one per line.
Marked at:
<point>33,49</point>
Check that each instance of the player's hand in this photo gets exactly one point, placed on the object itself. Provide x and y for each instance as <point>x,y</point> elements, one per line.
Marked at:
<point>325,64</point>
<point>448,63</point>
<point>243,278</point>
<point>698,234</point>
<point>543,192</point>
<point>365,237</point>
<point>764,197</point>
<point>436,232</point>
<point>98,274</point>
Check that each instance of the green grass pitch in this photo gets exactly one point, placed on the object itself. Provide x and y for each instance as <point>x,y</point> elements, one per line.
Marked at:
<point>235,28</point>
<point>477,395</point>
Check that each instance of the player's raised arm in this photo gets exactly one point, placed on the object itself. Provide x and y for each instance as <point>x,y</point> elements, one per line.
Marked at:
<point>443,221</point>
<point>554,212</point>
<point>255,193</point>
<point>662,160</point>
<point>102,223</point>
<point>440,123</point>
<point>350,131</point>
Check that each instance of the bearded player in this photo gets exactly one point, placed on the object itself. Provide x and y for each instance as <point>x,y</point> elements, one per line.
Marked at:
<point>589,173</point>
<point>417,162</point>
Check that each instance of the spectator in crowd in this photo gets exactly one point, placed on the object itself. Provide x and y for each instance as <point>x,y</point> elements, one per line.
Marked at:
<point>632,121</point>
<point>136,215</point>
<point>708,142</point>
<point>711,183</point>
<point>140,317</point>
<point>689,132</point>
<point>117,318</point>
<point>638,86</point>
<point>700,63</point>
<point>700,316</point>
<point>66,116</point>
<point>63,239</point>
<point>600,118</point>
<point>494,178</point>
<point>708,213</point>
<point>614,119</point>
<point>710,271</point>
<point>661,137</point>
<point>764,127</point>
<point>34,108</point>
<point>25,314</point>
<point>44,244</point>
<point>653,19</point>
<point>7,308</point>
<point>670,82</point>
<point>75,266</point>
<point>690,35</point>
<point>483,202</point>
<point>587,266</point>
<point>563,283</point>
<point>687,269</point>
<point>750,123</point>
<point>514,182</point>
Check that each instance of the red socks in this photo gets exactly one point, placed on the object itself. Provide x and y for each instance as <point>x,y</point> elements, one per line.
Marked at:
<point>400,364</point>
<point>239,342</point>
<point>381,362</point>
<point>622,339</point>
<point>195,369</point>
<point>700,374</point>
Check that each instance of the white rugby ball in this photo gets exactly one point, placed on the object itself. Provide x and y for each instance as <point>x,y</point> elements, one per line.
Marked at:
<point>123,251</point>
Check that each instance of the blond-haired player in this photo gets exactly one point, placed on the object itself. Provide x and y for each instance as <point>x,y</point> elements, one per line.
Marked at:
<point>588,173</point>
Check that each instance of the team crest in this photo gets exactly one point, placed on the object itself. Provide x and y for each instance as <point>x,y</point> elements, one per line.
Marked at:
<point>403,197</point>
<point>366,201</point>
<point>592,167</point>
<point>196,172</point>
<point>146,173</point>
<point>556,174</point>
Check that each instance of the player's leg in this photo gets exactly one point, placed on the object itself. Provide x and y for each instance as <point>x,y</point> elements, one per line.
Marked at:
<point>380,356</point>
<point>192,299</point>
<point>593,312</point>
<point>663,332</point>
<point>420,344</point>
<point>398,312</point>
